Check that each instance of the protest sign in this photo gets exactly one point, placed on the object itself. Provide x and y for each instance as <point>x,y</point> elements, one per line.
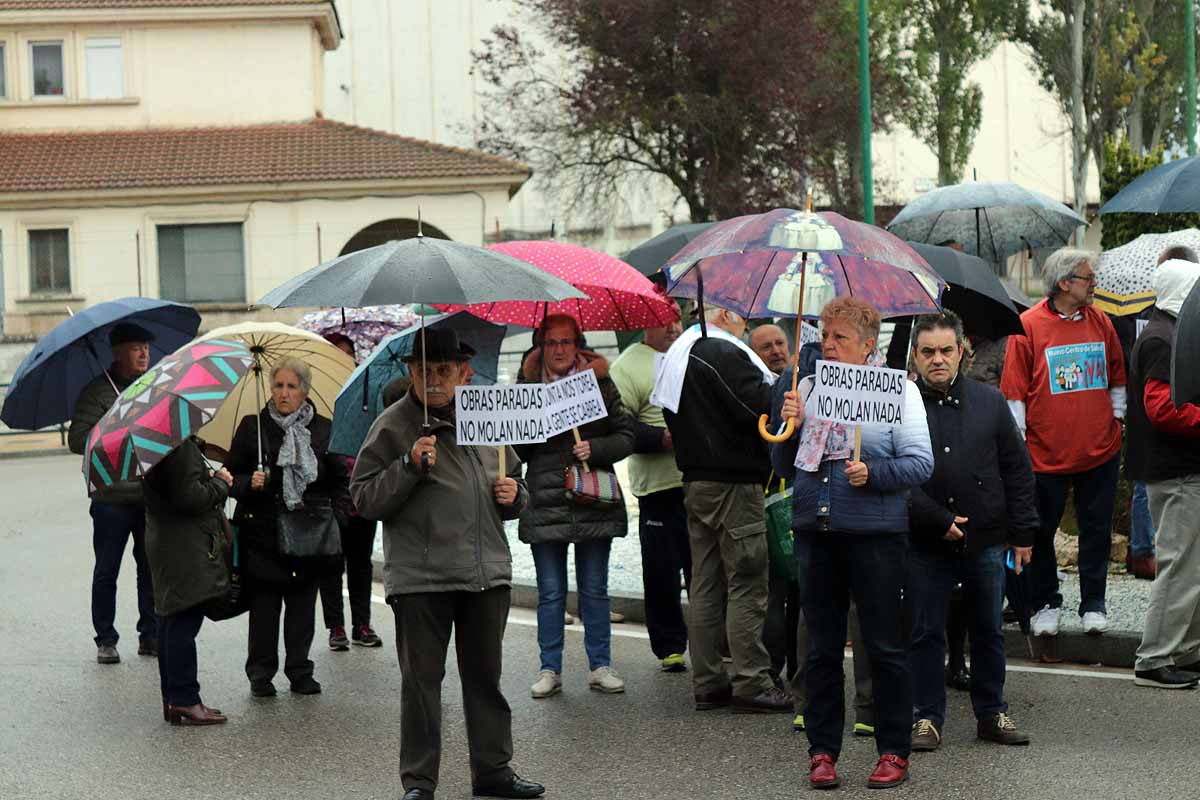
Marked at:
<point>858,395</point>
<point>573,401</point>
<point>809,334</point>
<point>500,415</point>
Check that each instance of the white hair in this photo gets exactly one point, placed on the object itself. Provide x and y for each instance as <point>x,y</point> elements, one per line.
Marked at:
<point>303,373</point>
<point>1061,265</point>
<point>712,312</point>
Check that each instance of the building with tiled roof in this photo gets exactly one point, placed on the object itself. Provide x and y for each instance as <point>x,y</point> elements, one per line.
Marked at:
<point>178,149</point>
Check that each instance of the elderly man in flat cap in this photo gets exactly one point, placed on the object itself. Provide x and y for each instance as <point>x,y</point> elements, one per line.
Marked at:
<point>117,511</point>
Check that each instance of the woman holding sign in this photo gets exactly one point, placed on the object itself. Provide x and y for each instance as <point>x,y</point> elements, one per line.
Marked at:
<point>574,499</point>
<point>850,513</point>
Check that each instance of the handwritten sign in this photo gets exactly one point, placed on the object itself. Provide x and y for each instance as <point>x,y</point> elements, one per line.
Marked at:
<point>496,415</point>
<point>809,334</point>
<point>858,395</point>
<point>572,402</point>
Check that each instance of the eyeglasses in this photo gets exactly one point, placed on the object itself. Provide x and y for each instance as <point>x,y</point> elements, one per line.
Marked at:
<point>1091,279</point>
<point>555,344</point>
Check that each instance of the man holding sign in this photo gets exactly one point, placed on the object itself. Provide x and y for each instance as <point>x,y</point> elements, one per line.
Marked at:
<point>862,445</point>
<point>447,567</point>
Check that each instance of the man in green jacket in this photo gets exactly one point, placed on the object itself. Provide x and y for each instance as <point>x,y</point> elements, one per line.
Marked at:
<point>447,567</point>
<point>117,511</point>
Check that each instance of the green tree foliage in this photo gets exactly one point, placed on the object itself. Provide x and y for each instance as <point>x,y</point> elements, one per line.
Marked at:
<point>1121,166</point>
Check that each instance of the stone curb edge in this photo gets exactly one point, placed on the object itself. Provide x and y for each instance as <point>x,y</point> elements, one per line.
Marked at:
<point>56,451</point>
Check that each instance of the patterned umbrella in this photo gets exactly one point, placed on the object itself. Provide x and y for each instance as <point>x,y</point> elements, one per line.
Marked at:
<point>1124,275</point>
<point>619,298</point>
<point>366,327</point>
<point>162,408</point>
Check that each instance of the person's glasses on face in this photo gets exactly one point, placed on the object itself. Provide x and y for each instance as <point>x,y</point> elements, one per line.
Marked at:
<point>559,344</point>
<point>1089,279</point>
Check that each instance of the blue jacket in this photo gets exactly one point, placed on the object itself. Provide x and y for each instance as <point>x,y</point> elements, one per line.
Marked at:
<point>897,460</point>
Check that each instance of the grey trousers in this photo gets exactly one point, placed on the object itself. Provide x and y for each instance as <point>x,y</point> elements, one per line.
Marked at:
<point>423,626</point>
<point>727,531</point>
<point>1172,633</point>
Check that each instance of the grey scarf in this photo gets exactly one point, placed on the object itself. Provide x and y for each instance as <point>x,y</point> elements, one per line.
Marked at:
<point>296,455</point>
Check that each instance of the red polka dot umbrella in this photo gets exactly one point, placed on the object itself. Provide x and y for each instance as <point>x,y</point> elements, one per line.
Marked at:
<point>619,298</point>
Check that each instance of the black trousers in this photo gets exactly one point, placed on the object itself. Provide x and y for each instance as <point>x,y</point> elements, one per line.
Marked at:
<point>780,629</point>
<point>177,656</point>
<point>666,552</point>
<point>424,623</point>
<point>358,545</point>
<point>298,600</point>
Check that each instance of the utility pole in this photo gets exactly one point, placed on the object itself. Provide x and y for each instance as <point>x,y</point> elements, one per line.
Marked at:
<point>1190,48</point>
<point>864,87</point>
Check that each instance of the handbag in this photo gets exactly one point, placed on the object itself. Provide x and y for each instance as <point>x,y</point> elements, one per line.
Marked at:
<point>309,530</point>
<point>233,602</point>
<point>781,543</point>
<point>596,487</point>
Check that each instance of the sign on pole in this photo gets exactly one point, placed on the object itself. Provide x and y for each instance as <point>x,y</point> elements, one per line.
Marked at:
<point>809,333</point>
<point>500,415</point>
<point>573,401</point>
<point>858,395</point>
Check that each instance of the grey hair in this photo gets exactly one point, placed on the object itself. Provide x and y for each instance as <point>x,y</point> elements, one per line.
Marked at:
<point>1061,264</point>
<point>711,313</point>
<point>297,366</point>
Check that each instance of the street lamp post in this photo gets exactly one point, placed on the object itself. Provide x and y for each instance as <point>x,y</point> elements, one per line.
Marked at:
<point>864,84</point>
<point>1189,17</point>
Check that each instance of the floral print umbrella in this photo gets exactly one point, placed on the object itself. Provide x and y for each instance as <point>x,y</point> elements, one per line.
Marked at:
<point>162,408</point>
<point>366,327</point>
<point>1124,276</point>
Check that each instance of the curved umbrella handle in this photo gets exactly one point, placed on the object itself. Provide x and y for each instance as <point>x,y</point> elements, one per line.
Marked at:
<point>788,430</point>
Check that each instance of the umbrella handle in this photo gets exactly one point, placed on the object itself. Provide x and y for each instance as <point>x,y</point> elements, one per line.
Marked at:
<point>788,430</point>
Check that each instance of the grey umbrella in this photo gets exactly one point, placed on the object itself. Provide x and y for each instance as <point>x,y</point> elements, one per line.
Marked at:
<point>649,256</point>
<point>974,293</point>
<point>991,220</point>
<point>1170,187</point>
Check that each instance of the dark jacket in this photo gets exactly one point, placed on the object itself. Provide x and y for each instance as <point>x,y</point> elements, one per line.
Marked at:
<point>255,512</point>
<point>94,402</point>
<point>183,530</point>
<point>550,515</point>
<point>715,433</point>
<point>1152,454</point>
<point>981,470</point>
<point>442,530</point>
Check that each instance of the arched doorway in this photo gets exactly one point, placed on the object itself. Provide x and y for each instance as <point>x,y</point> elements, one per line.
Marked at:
<point>388,230</point>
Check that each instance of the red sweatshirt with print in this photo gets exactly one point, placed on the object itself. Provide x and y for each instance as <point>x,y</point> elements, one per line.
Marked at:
<point>1062,371</point>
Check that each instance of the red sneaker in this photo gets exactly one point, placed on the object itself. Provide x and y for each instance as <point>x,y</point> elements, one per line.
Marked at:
<point>822,772</point>
<point>890,771</point>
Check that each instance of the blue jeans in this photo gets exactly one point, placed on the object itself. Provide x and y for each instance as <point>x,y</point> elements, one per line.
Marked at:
<point>1142,533</point>
<point>591,577</point>
<point>112,525</point>
<point>931,579</point>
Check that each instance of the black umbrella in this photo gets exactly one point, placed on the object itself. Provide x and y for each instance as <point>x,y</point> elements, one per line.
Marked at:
<point>649,256</point>
<point>1021,300</point>
<point>1170,187</point>
<point>975,293</point>
<point>1185,351</point>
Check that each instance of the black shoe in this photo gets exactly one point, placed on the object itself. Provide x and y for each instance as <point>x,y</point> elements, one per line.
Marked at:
<point>772,701</point>
<point>515,786</point>
<point>1193,668</point>
<point>148,647</point>
<point>1165,678</point>
<point>418,794</point>
<point>107,654</point>
<point>306,685</point>
<point>338,642</point>
<point>262,688</point>
<point>959,678</point>
<point>365,636</point>
<point>714,700</point>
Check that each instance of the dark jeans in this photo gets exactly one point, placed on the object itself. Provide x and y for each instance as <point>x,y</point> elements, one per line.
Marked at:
<point>663,531</point>
<point>358,545</point>
<point>871,568</point>
<point>956,630</point>
<point>298,600</point>
<point>931,580</point>
<point>424,623</point>
<point>177,656</point>
<point>780,629</point>
<point>112,525</point>
<point>1095,495</point>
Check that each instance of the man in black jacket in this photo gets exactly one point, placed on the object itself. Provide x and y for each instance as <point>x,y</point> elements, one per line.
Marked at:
<point>979,502</point>
<point>713,388</point>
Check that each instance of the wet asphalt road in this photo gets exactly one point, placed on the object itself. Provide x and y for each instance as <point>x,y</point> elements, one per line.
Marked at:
<point>70,728</point>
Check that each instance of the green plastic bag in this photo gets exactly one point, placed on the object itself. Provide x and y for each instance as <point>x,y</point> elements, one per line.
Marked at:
<point>781,545</point>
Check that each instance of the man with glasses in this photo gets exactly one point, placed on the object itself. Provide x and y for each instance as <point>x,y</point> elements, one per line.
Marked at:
<point>1065,384</point>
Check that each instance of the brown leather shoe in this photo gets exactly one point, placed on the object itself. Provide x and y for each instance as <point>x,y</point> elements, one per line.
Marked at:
<point>772,701</point>
<point>822,772</point>
<point>1144,567</point>
<point>710,701</point>
<point>925,736</point>
<point>1000,729</point>
<point>198,714</point>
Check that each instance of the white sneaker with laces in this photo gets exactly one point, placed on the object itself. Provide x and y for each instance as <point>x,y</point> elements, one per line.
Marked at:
<point>548,683</point>
<point>1094,623</point>
<point>605,679</point>
<point>1045,622</point>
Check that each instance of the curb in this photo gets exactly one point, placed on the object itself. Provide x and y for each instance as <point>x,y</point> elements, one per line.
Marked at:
<point>56,451</point>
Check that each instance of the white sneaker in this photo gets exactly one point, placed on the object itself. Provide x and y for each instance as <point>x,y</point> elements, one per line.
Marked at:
<point>548,683</point>
<point>567,618</point>
<point>1045,622</point>
<point>1094,623</point>
<point>605,679</point>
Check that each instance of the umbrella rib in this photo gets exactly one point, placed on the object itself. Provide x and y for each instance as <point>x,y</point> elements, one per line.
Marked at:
<point>991,237</point>
<point>1048,225</point>
<point>936,220</point>
<point>617,307</point>
<point>761,281</point>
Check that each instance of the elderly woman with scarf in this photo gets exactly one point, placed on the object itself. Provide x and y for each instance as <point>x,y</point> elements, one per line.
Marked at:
<point>296,468</point>
<point>552,521</point>
<point>850,520</point>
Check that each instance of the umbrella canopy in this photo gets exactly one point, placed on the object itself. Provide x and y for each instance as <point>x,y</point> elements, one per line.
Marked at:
<point>269,344</point>
<point>1168,188</point>
<point>618,297</point>
<point>162,408</point>
<point>419,270</point>
<point>361,400</point>
<point>974,293</point>
<point>1185,353</point>
<point>650,256</point>
<point>365,327</point>
<point>751,265</point>
<point>48,381</point>
<point>1019,299</point>
<point>990,220</point>
<point>1125,274</point>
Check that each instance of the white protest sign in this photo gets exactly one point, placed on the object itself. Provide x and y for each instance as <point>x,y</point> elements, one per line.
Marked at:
<point>499,415</point>
<point>857,395</point>
<point>809,334</point>
<point>573,401</point>
<point>1141,326</point>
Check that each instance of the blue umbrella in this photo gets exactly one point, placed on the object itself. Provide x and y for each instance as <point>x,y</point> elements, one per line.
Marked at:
<point>361,399</point>
<point>48,382</point>
<point>1173,187</point>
